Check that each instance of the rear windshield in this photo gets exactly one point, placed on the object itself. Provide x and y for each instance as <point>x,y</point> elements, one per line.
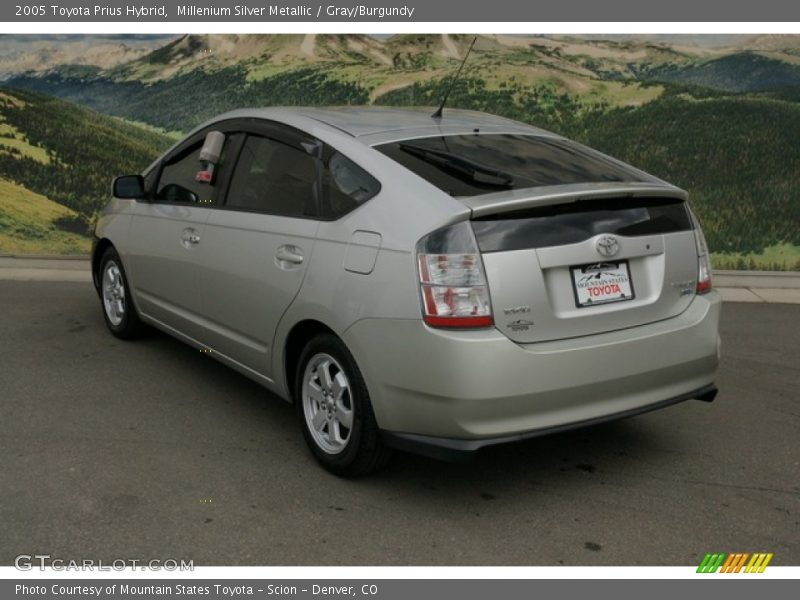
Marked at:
<point>475,164</point>
<point>575,222</point>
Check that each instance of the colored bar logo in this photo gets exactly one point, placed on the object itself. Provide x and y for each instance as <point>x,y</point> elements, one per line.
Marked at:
<point>737,562</point>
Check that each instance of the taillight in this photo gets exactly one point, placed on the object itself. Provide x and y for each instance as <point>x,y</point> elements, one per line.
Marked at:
<point>452,280</point>
<point>703,259</point>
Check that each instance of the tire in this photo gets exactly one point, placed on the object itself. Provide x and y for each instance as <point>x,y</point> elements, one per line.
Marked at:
<point>329,387</point>
<point>119,312</point>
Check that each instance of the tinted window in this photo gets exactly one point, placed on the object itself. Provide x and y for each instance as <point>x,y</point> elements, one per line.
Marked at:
<point>470,165</point>
<point>177,181</point>
<point>346,186</point>
<point>575,222</point>
<point>274,178</point>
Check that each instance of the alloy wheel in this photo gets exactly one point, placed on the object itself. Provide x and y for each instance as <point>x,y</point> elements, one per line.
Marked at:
<point>327,403</point>
<point>113,293</point>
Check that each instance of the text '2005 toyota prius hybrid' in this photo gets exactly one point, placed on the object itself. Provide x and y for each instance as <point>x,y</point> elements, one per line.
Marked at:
<point>435,284</point>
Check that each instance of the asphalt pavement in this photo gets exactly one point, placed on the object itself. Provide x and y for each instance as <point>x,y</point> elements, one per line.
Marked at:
<point>149,449</point>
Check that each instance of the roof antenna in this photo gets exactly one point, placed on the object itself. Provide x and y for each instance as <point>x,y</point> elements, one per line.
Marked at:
<point>438,113</point>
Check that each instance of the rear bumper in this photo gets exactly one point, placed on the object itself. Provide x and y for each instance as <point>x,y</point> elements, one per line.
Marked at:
<point>474,388</point>
<point>458,449</point>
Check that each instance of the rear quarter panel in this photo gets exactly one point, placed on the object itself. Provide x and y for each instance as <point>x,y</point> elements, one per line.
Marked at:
<point>405,209</point>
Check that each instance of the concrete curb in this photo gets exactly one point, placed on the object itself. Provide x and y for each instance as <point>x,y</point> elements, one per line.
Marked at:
<point>52,275</point>
<point>72,263</point>
<point>756,295</point>
<point>734,286</point>
<point>757,279</point>
<point>66,257</point>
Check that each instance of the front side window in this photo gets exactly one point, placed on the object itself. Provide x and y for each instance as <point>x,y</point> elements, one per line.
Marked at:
<point>177,181</point>
<point>274,178</point>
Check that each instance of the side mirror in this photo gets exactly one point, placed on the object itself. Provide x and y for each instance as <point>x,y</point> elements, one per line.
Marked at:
<point>129,187</point>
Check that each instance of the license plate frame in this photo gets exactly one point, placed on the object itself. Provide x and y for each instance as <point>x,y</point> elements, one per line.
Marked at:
<point>607,274</point>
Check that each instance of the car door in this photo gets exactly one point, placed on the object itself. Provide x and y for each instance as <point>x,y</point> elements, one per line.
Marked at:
<point>165,241</point>
<point>257,245</point>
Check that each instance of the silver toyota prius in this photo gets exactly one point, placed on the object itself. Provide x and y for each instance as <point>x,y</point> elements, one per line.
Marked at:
<point>426,283</point>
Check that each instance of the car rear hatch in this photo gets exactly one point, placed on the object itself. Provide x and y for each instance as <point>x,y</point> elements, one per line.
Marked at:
<point>575,260</point>
<point>573,242</point>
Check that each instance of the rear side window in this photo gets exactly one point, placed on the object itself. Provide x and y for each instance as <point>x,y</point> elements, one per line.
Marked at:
<point>274,178</point>
<point>471,165</point>
<point>575,222</point>
<point>346,186</point>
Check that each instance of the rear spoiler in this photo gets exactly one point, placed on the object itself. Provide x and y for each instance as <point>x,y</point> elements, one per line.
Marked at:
<point>501,202</point>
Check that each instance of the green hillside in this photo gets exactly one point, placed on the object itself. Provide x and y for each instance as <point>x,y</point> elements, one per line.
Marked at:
<point>722,124</point>
<point>738,156</point>
<point>742,72</point>
<point>189,99</point>
<point>193,78</point>
<point>542,104</point>
<point>68,154</point>
<point>30,224</point>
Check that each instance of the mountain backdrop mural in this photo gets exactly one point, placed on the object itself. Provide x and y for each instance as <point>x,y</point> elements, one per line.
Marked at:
<point>716,115</point>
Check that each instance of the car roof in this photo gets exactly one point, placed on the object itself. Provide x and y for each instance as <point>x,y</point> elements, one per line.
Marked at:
<point>379,124</point>
<point>364,120</point>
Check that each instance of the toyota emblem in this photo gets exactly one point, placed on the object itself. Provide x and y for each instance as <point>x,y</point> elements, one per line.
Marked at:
<point>607,245</point>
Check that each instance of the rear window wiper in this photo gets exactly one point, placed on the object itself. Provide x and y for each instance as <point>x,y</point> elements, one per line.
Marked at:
<point>470,170</point>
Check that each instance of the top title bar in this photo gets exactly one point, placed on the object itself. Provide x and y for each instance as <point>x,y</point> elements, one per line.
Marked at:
<point>394,11</point>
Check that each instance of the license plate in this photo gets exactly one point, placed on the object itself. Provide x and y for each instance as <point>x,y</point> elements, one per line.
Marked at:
<point>601,283</point>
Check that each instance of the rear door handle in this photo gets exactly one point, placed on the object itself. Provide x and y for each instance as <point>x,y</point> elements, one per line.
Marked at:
<point>289,254</point>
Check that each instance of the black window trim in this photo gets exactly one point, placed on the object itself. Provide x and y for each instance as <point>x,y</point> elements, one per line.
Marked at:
<point>246,126</point>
